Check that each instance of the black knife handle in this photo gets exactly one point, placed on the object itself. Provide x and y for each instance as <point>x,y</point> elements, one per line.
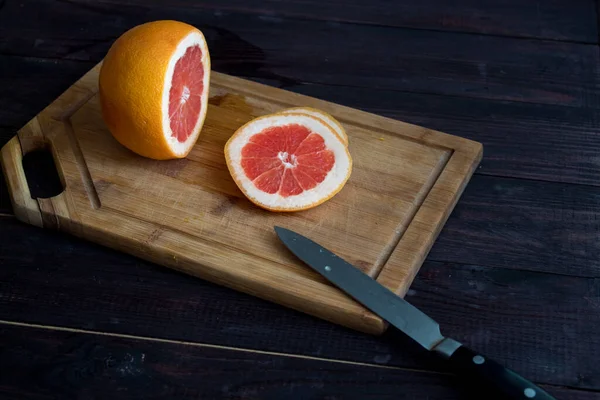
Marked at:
<point>480,368</point>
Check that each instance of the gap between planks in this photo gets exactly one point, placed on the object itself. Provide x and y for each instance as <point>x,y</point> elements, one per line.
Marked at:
<point>353,22</point>
<point>207,345</point>
<point>243,350</point>
<point>317,18</point>
<point>308,82</point>
<point>441,31</point>
<point>525,178</point>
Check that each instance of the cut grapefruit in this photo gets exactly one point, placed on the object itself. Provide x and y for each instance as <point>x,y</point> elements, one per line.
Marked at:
<point>329,119</point>
<point>154,84</point>
<point>288,162</point>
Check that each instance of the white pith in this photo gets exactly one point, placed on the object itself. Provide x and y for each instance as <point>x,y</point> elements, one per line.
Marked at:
<point>315,113</point>
<point>284,156</point>
<point>185,95</point>
<point>194,38</point>
<point>331,184</point>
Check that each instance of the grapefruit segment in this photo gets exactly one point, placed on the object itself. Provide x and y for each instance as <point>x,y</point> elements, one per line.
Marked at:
<point>288,162</point>
<point>253,150</point>
<point>153,88</point>
<point>270,181</point>
<point>304,180</point>
<point>289,184</point>
<point>316,165</point>
<point>312,144</point>
<point>255,167</point>
<point>327,118</point>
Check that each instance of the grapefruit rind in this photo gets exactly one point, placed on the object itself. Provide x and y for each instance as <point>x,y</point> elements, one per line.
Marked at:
<point>327,118</point>
<point>334,181</point>
<point>133,84</point>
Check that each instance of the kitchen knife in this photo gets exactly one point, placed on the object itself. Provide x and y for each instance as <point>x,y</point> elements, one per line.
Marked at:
<point>409,319</point>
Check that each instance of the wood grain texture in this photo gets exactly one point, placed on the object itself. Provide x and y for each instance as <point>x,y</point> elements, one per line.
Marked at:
<point>5,207</point>
<point>557,19</point>
<point>297,50</point>
<point>32,84</point>
<point>189,215</point>
<point>521,224</point>
<point>82,365</point>
<point>541,325</point>
<point>7,133</point>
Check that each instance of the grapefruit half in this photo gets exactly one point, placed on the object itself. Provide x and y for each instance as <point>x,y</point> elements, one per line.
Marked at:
<point>153,88</point>
<point>328,118</point>
<point>288,162</point>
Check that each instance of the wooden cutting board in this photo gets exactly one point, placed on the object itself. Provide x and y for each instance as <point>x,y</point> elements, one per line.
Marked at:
<point>189,215</point>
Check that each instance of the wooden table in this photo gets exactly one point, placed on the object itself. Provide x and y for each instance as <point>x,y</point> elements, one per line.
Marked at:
<point>514,274</point>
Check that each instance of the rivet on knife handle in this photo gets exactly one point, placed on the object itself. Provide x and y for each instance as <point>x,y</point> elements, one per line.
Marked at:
<point>492,374</point>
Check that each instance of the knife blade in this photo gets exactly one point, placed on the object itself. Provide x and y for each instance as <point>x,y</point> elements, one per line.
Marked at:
<point>408,318</point>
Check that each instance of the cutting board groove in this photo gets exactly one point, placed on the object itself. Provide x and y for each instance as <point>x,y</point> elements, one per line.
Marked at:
<point>189,215</point>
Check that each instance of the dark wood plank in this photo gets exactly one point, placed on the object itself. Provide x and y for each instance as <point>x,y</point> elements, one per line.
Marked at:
<point>556,19</point>
<point>5,207</point>
<point>29,85</point>
<point>6,133</point>
<point>292,50</point>
<point>508,315</point>
<point>42,363</point>
<point>541,325</point>
<point>523,224</point>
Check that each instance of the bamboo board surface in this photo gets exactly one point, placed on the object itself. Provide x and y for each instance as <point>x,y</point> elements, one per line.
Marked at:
<point>189,215</point>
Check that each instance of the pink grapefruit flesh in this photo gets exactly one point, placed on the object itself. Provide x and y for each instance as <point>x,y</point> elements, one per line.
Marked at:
<point>286,159</point>
<point>185,95</point>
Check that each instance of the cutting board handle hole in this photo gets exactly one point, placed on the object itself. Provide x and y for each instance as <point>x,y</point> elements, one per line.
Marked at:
<point>42,177</point>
